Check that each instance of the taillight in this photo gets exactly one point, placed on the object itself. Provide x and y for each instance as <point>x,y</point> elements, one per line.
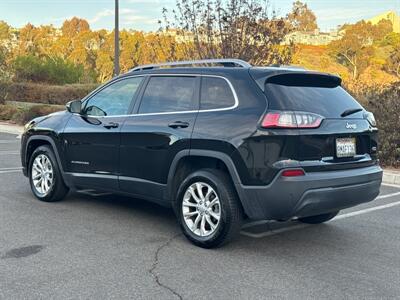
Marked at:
<point>370,117</point>
<point>293,173</point>
<point>291,119</point>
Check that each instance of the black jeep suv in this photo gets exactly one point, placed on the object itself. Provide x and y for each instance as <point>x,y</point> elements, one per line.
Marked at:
<point>218,140</point>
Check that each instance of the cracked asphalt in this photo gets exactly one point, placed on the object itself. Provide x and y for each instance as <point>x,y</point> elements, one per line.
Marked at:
<point>116,247</point>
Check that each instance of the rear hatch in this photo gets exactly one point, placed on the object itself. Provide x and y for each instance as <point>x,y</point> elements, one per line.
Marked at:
<point>330,129</point>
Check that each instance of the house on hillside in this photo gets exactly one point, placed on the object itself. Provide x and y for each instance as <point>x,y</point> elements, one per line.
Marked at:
<point>324,38</point>
<point>391,16</point>
<point>312,37</point>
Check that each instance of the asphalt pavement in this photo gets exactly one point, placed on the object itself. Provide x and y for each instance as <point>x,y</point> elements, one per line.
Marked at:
<point>108,246</point>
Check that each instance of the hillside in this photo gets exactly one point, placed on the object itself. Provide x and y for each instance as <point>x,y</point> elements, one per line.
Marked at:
<point>318,58</point>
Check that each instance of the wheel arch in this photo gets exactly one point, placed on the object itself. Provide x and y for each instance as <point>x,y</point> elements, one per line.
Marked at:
<point>187,161</point>
<point>36,141</point>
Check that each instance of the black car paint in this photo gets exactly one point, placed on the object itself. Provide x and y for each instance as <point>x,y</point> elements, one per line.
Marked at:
<point>140,155</point>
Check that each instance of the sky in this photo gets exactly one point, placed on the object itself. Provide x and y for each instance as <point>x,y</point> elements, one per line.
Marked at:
<point>144,14</point>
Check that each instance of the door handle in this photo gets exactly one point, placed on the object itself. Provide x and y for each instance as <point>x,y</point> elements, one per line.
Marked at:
<point>111,125</point>
<point>179,124</point>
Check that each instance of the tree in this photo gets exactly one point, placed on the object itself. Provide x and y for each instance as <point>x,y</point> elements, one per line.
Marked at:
<point>131,49</point>
<point>302,18</point>
<point>381,30</point>
<point>44,39</point>
<point>355,49</point>
<point>392,40</point>
<point>27,38</point>
<point>4,36</point>
<point>235,29</point>
<point>105,56</point>
<point>3,63</point>
<point>4,31</point>
<point>393,65</point>
<point>36,41</point>
<point>72,27</point>
<point>83,49</point>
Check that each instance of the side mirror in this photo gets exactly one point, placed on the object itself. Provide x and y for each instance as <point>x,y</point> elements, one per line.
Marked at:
<point>74,106</point>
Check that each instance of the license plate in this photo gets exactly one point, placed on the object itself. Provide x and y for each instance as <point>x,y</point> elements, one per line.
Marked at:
<point>345,147</point>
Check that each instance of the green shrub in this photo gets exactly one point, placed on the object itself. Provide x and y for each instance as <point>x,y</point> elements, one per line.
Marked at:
<point>386,108</point>
<point>41,93</point>
<point>28,68</point>
<point>53,70</point>
<point>384,102</point>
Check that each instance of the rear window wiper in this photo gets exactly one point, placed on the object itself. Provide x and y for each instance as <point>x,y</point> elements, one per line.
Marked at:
<point>350,111</point>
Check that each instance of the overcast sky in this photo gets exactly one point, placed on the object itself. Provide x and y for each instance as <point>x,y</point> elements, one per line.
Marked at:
<point>143,15</point>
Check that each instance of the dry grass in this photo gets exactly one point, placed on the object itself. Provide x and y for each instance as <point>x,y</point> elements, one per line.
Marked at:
<point>23,114</point>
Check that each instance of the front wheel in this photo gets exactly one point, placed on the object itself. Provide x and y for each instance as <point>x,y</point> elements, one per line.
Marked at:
<point>319,218</point>
<point>45,177</point>
<point>208,208</point>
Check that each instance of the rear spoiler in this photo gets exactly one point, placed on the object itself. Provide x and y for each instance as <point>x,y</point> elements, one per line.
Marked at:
<point>293,77</point>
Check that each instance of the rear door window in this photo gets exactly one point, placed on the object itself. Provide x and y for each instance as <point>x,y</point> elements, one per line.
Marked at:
<point>169,94</point>
<point>327,100</point>
<point>215,93</point>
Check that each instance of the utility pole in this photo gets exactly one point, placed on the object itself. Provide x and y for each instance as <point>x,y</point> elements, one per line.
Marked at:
<point>116,40</point>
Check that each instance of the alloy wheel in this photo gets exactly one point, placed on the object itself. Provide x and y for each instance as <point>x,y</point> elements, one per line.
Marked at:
<point>42,174</point>
<point>201,209</point>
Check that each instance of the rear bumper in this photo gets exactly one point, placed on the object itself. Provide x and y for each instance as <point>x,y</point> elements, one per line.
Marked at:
<point>313,194</point>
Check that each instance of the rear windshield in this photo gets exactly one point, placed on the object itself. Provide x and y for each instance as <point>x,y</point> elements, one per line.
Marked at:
<point>327,101</point>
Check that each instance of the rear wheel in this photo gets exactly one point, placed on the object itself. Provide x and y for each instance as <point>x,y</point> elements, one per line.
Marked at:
<point>208,209</point>
<point>45,176</point>
<point>319,218</point>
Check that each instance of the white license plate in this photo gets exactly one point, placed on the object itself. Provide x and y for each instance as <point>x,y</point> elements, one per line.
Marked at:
<point>345,147</point>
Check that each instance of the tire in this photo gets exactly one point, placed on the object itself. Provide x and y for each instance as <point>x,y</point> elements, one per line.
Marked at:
<point>43,156</point>
<point>227,206</point>
<point>319,218</point>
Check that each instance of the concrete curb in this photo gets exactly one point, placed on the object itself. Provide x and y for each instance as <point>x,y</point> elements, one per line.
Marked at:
<point>389,176</point>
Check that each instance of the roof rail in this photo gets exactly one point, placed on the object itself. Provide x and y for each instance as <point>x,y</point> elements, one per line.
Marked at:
<point>224,62</point>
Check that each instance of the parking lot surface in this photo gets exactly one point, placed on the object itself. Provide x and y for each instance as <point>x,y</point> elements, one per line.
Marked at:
<point>110,246</point>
